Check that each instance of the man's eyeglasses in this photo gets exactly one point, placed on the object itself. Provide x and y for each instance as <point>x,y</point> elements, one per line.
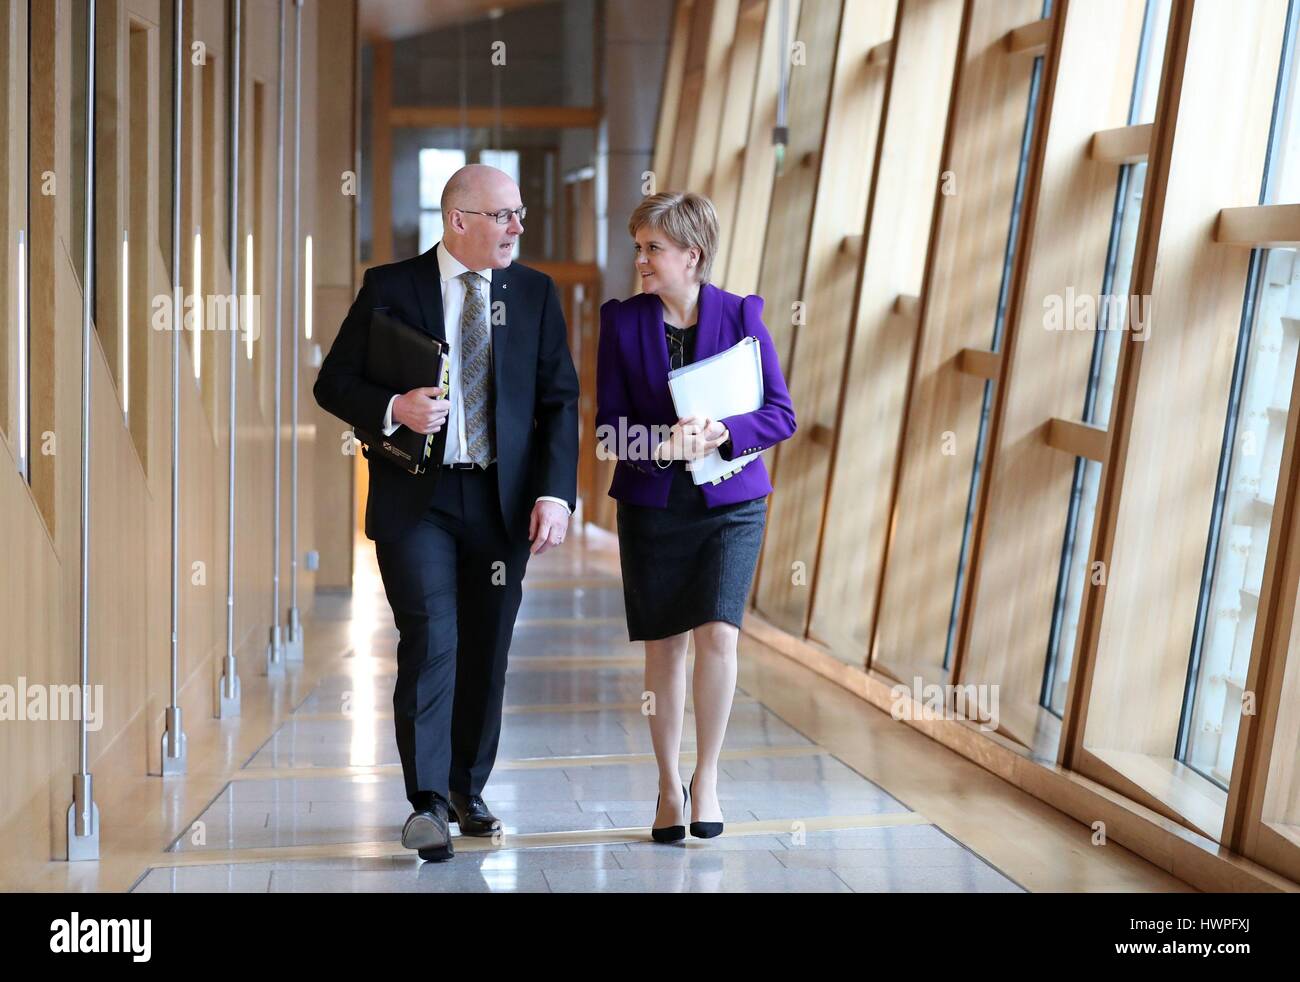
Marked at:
<point>502,216</point>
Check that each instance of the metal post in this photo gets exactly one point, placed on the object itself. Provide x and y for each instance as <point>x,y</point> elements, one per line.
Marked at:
<point>293,648</point>
<point>275,647</point>
<point>781,132</point>
<point>228,701</point>
<point>83,813</point>
<point>173,743</point>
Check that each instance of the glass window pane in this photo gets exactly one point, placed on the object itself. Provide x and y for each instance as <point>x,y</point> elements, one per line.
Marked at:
<point>430,229</point>
<point>1150,61</point>
<point>1075,578</point>
<point>436,168</point>
<point>1237,568</point>
<point>1283,180</point>
<point>506,160</point>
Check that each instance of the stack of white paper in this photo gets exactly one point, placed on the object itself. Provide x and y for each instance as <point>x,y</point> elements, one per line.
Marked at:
<point>726,384</point>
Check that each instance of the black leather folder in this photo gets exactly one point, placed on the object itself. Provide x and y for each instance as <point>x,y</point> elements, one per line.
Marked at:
<point>401,358</point>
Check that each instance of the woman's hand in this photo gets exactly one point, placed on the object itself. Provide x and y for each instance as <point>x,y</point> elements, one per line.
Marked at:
<point>692,437</point>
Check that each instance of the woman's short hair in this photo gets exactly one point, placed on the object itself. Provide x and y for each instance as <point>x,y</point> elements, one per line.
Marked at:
<point>687,218</point>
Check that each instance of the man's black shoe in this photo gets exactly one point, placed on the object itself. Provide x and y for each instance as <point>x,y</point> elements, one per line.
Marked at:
<point>426,831</point>
<point>472,815</point>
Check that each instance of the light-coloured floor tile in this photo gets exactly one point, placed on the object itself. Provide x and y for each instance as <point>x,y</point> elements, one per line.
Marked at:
<point>654,880</point>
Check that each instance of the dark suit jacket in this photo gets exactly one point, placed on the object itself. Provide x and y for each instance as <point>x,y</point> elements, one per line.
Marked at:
<point>632,391</point>
<point>535,383</point>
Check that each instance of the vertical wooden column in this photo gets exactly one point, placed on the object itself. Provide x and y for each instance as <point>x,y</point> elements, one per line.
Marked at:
<point>1016,556</point>
<point>794,192</point>
<point>723,185</point>
<point>969,247</point>
<point>830,277</point>
<point>746,231</point>
<point>878,363</point>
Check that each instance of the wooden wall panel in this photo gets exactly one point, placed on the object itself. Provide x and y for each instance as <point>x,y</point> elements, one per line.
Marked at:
<point>724,178</point>
<point>336,262</point>
<point>712,95</point>
<point>670,100</point>
<point>1017,555</point>
<point>129,641</point>
<point>785,249</point>
<point>746,235</point>
<point>815,367</point>
<point>695,67</point>
<point>870,415</point>
<point>959,309</point>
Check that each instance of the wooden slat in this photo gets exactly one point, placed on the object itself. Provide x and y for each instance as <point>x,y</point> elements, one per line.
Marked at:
<point>979,362</point>
<point>908,305</point>
<point>1077,439</point>
<point>1122,145</point>
<point>1259,226</point>
<point>566,274</point>
<point>881,53</point>
<point>1029,39</point>
<point>822,435</point>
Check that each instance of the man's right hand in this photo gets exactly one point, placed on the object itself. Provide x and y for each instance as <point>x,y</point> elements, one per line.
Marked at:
<point>421,410</point>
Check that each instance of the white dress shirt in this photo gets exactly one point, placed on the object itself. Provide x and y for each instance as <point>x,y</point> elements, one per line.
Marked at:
<point>453,303</point>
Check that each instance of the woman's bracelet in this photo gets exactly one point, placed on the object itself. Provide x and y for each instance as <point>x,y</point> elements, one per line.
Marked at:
<point>662,465</point>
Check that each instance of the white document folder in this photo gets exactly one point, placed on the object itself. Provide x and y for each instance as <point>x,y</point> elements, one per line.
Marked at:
<point>726,384</point>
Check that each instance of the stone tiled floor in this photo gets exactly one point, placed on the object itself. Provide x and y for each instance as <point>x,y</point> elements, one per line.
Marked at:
<point>574,805</point>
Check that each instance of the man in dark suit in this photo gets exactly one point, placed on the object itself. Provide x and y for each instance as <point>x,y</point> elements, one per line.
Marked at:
<point>453,543</point>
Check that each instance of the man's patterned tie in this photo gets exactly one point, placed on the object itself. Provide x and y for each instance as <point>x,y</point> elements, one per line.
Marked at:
<point>476,373</point>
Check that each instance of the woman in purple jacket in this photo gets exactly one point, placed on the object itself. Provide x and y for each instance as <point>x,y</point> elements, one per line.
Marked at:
<point>687,552</point>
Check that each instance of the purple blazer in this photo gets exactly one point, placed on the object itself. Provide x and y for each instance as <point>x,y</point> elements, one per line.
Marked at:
<point>632,391</point>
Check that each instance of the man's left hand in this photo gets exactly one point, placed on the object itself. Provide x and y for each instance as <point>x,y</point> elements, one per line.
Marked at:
<point>547,527</point>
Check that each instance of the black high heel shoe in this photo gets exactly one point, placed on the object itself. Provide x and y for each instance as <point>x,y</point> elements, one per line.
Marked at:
<point>670,833</point>
<point>704,830</point>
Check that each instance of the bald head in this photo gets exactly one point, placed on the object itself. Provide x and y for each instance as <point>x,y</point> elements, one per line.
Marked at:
<point>477,186</point>
<point>476,239</point>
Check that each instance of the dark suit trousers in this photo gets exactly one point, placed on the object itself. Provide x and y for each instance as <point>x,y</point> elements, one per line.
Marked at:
<point>454,583</point>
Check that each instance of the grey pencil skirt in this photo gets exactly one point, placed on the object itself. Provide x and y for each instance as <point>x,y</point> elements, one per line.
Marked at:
<point>687,564</point>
